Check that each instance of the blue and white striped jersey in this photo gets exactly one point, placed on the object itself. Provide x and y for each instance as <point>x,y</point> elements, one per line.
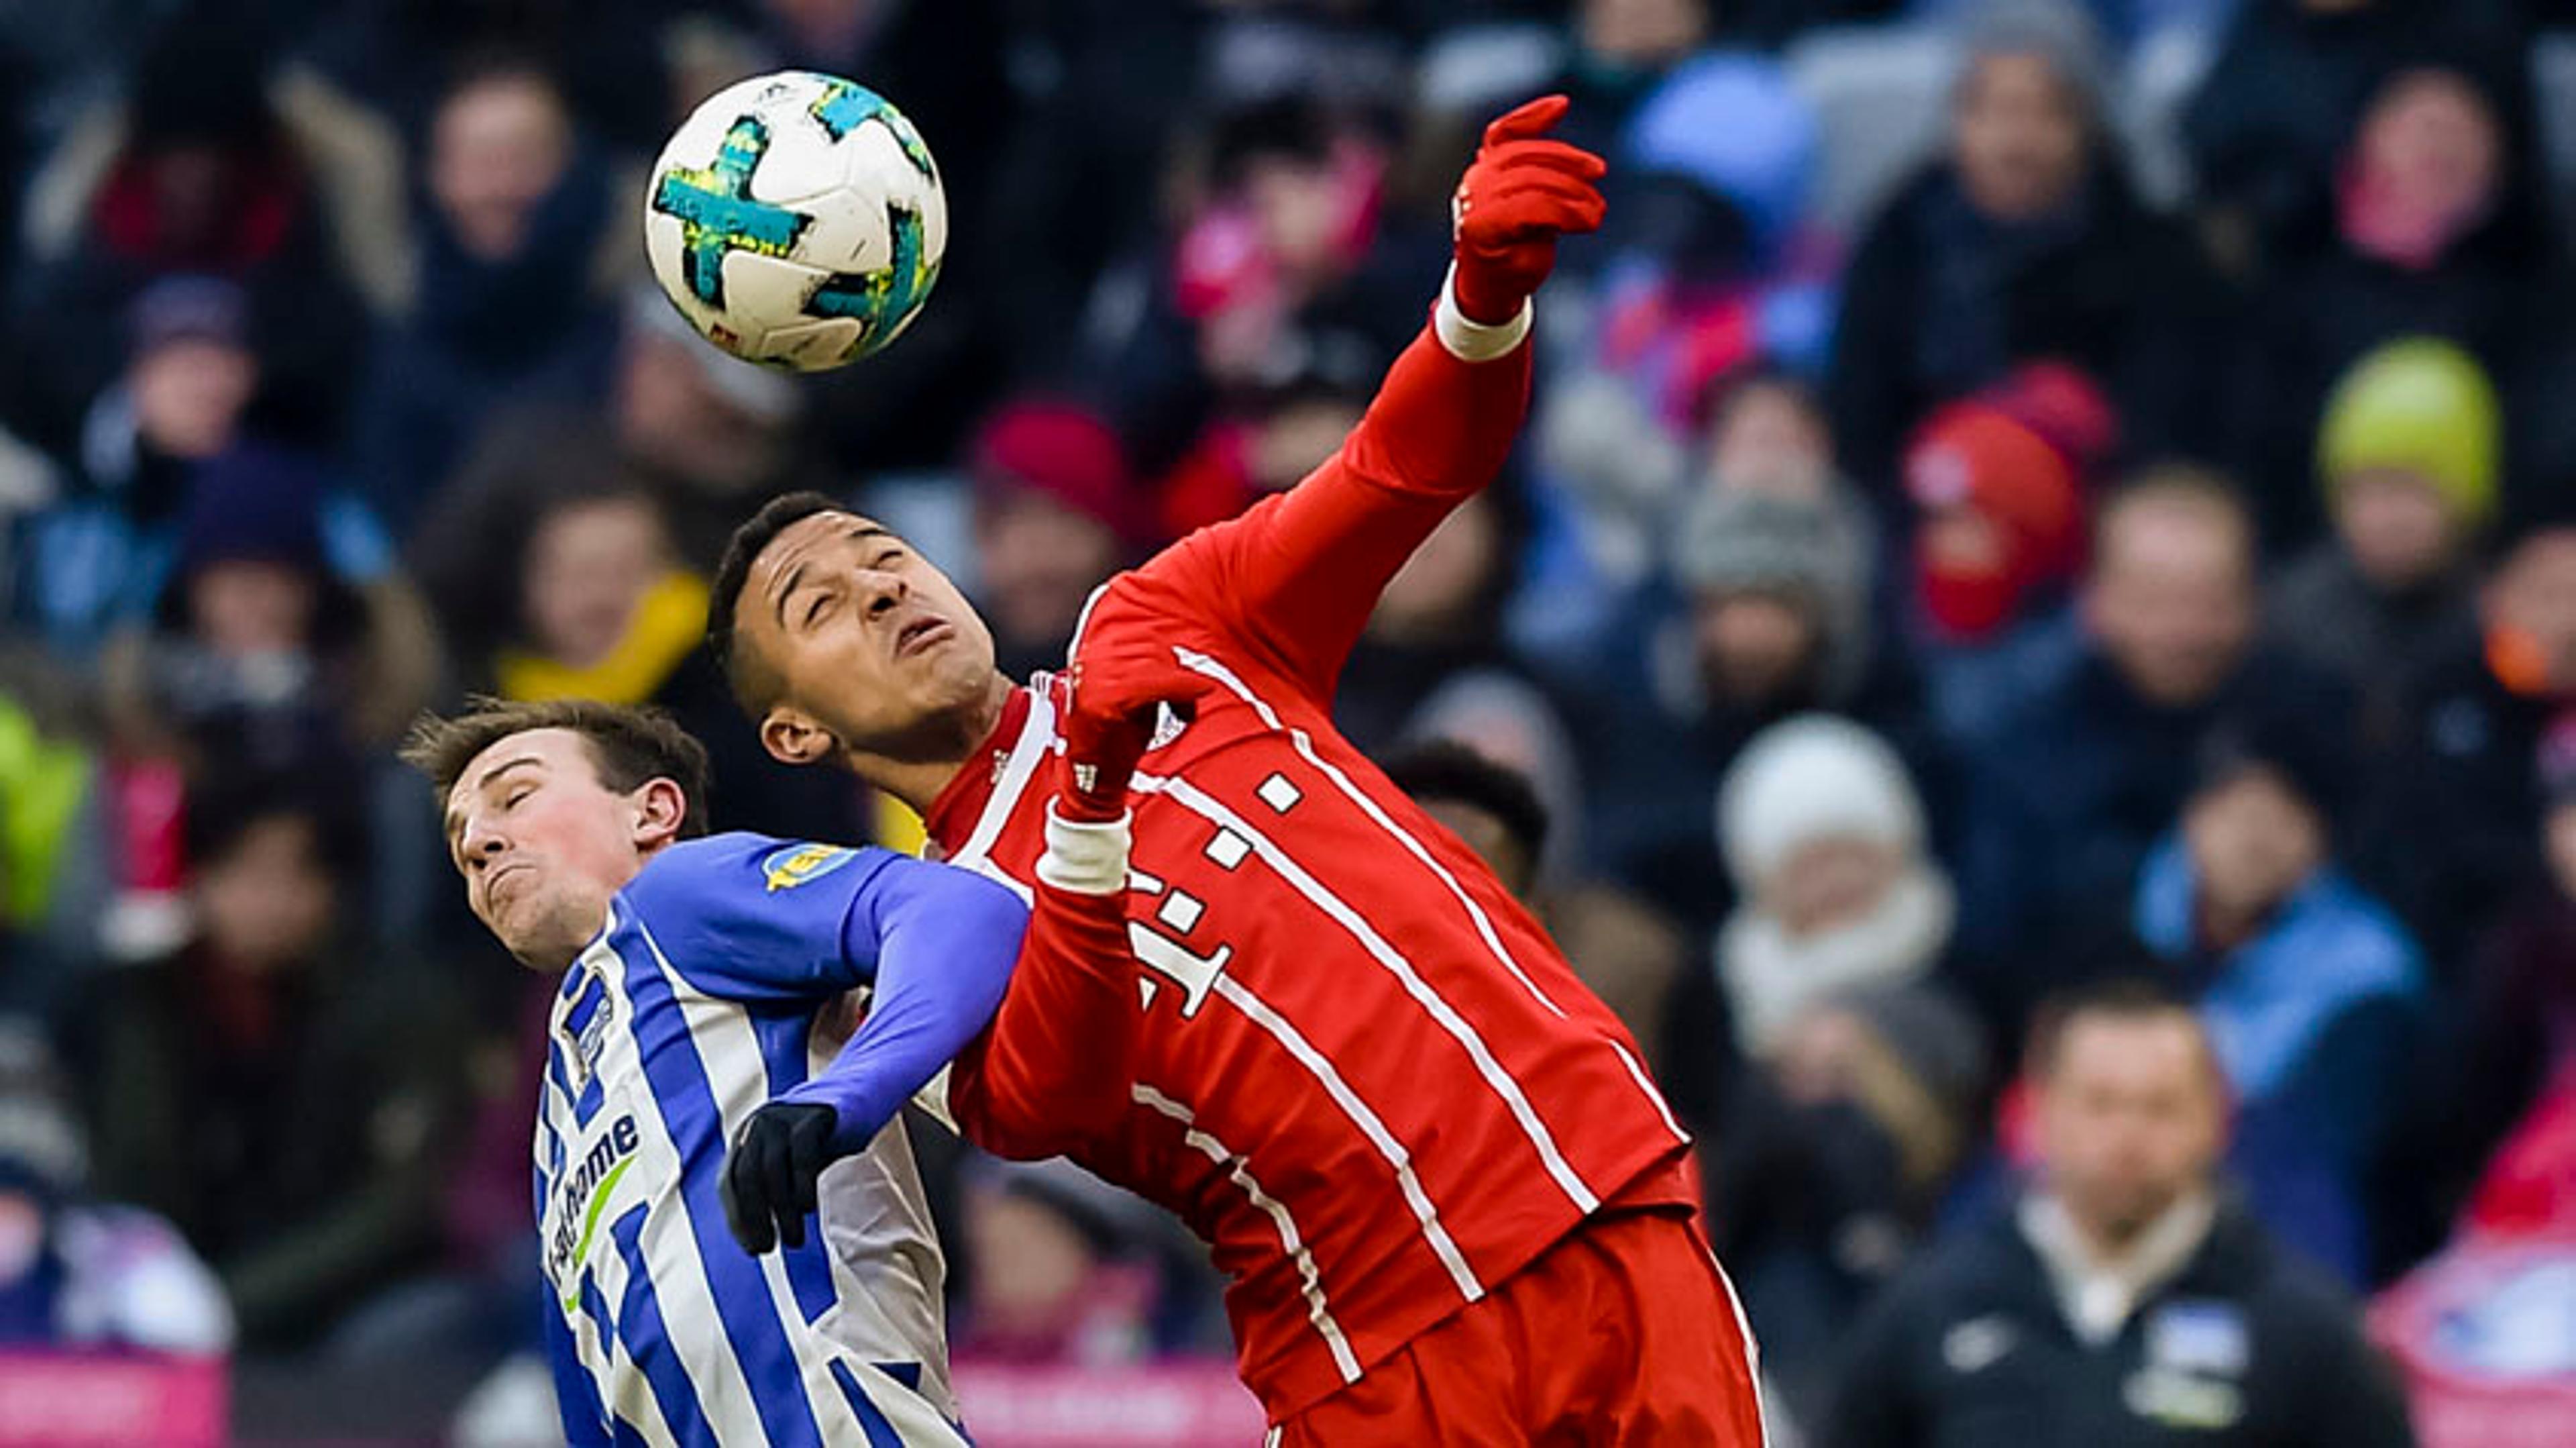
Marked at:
<point>731,969</point>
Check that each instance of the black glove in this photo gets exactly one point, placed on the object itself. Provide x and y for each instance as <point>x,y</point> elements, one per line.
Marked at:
<point>768,1181</point>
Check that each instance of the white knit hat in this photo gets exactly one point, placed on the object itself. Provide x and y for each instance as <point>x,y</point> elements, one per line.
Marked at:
<point>1810,778</point>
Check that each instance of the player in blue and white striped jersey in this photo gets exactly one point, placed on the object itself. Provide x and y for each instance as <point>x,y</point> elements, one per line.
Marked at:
<point>709,981</point>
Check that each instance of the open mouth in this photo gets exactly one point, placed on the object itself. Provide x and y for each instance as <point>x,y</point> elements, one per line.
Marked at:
<point>920,634</point>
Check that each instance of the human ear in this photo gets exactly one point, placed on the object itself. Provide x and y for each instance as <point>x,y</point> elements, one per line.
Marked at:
<point>661,808</point>
<point>793,737</point>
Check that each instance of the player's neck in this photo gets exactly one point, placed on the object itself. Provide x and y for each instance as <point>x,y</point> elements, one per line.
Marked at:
<point>924,774</point>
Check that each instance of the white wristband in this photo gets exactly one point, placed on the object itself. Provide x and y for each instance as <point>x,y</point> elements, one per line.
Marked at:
<point>1469,340</point>
<point>1087,859</point>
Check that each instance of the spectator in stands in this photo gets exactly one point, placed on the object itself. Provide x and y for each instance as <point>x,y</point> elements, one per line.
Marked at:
<point>1057,511</point>
<point>2269,125</point>
<point>1812,1041</point>
<point>1439,619</point>
<point>2453,833</point>
<point>2024,243</point>
<point>260,652</point>
<point>1059,1277</point>
<point>1830,1163</point>
<point>54,863</point>
<point>604,608</point>
<point>1286,242</point>
<point>2310,988</point>
<point>1710,274</point>
<point>200,171</point>
<point>278,1089</point>
<point>1755,429</point>
<point>518,257</point>
<point>2000,495</point>
<point>2408,455</point>
<point>1825,838</point>
<point>715,438</point>
<point>2518,1045</point>
<point>1264,439</point>
<point>2084,770</point>
<point>2435,230</point>
<point>1710,263</point>
<point>2126,1296</point>
<point>76,1273</point>
<point>1622,49</point>
<point>98,558</point>
<point>1775,622</point>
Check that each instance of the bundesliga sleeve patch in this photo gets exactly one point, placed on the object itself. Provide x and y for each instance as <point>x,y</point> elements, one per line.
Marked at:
<point>794,865</point>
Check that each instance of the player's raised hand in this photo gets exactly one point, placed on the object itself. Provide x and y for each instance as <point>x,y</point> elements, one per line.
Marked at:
<point>1523,191</point>
<point>1119,691</point>
<point>768,1185</point>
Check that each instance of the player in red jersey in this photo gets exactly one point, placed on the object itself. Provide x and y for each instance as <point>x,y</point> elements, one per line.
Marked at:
<point>1450,1203</point>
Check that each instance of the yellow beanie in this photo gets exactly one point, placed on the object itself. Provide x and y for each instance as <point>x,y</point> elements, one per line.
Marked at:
<point>2422,405</point>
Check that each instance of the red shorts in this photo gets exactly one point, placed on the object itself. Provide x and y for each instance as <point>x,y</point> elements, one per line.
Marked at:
<point>1625,1333</point>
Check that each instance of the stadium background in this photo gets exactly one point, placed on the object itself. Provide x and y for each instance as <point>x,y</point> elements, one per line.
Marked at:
<point>333,388</point>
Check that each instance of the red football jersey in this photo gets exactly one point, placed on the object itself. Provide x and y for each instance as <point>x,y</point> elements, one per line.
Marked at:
<point>1364,1073</point>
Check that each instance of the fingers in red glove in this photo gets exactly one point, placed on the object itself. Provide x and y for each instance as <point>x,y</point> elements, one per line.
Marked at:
<point>1530,119</point>
<point>1523,192</point>
<point>1541,155</point>
<point>1538,205</point>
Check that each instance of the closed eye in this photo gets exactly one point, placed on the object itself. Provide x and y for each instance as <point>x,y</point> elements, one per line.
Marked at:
<point>888,558</point>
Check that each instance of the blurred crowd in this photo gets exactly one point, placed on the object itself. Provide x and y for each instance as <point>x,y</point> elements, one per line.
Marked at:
<point>2029,649</point>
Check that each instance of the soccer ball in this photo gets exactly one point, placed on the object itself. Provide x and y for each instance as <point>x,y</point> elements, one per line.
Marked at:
<point>796,220</point>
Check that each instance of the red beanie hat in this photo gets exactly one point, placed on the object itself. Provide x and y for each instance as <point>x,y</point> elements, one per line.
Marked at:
<point>1062,451</point>
<point>1975,455</point>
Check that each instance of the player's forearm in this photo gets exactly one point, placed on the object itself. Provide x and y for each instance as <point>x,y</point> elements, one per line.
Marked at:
<point>1447,415</point>
<point>942,966</point>
<point>1055,1071</point>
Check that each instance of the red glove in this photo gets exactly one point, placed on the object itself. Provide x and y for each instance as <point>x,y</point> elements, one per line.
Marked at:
<point>1522,193</point>
<point>1118,695</point>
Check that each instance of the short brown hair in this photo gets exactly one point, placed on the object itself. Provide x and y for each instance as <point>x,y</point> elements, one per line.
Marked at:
<point>630,745</point>
<point>2129,997</point>
<point>2187,485</point>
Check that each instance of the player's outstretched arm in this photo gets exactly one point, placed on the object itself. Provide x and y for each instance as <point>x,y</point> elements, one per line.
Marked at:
<point>1057,1067</point>
<point>943,942</point>
<point>1301,573</point>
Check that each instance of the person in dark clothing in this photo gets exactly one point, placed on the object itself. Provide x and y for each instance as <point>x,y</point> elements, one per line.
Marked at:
<point>1772,621</point>
<point>511,284</point>
<point>2271,118</point>
<point>603,607</point>
<point>2080,775</point>
<point>2024,243</point>
<point>1286,245</point>
<point>2001,489</point>
<point>2125,1300</point>
<point>2517,1028</point>
<point>2408,455</point>
<point>207,182</point>
<point>277,1091</point>
<point>2452,828</point>
<point>2311,989</point>
<point>2433,230</point>
<point>401,57</point>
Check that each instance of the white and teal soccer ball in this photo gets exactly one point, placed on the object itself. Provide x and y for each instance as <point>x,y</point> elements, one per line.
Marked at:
<point>797,221</point>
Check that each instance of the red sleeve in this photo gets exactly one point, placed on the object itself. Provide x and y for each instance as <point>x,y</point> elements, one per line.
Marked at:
<point>1294,579</point>
<point>1052,1070</point>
